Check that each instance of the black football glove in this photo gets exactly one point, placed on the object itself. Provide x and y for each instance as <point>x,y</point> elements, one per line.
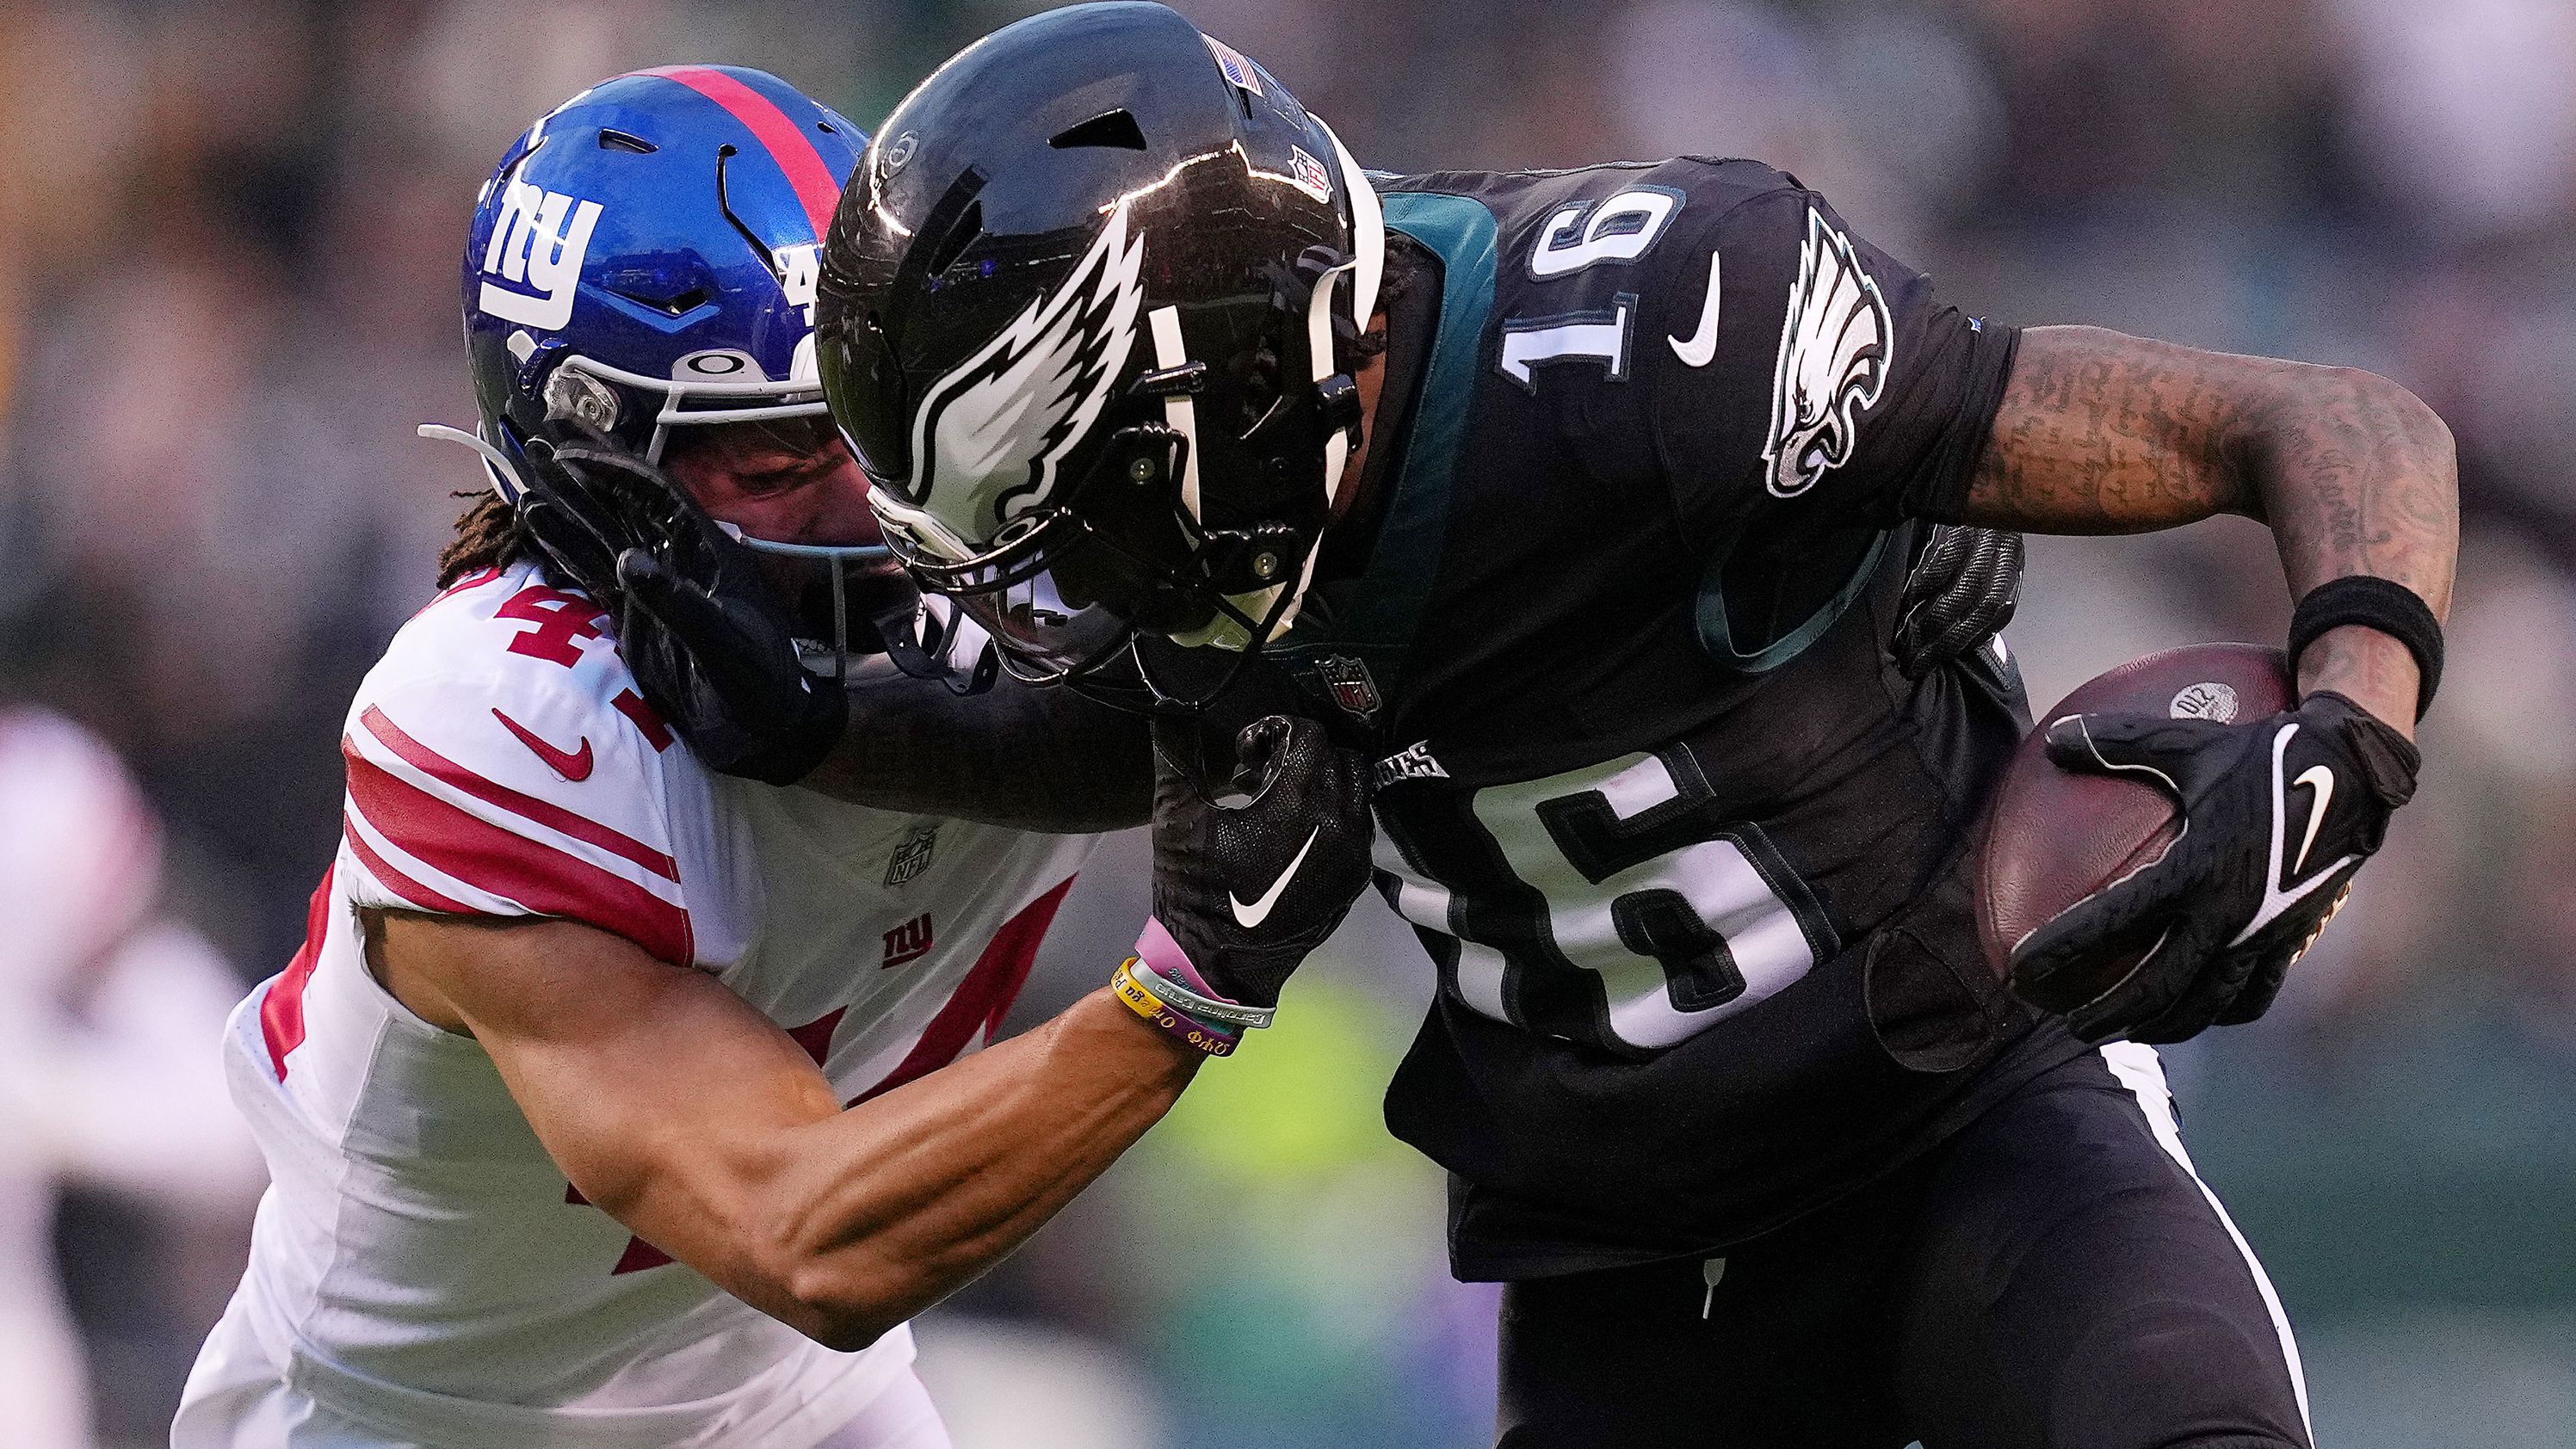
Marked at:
<point>722,668</point>
<point>1961,592</point>
<point>2277,815</point>
<point>580,526</point>
<point>709,640</point>
<point>1245,892</point>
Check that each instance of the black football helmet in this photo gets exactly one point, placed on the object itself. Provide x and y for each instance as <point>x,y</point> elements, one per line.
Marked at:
<point>1087,315</point>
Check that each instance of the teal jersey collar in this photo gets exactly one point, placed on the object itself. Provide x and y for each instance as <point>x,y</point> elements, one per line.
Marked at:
<point>1376,614</point>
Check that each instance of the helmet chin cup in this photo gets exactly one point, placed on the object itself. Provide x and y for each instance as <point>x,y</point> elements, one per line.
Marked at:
<point>1237,632</point>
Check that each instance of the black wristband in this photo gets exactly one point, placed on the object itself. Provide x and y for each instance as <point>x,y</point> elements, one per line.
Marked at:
<point>2382,604</point>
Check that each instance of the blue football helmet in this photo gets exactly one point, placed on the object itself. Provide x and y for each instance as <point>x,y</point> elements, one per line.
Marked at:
<point>643,260</point>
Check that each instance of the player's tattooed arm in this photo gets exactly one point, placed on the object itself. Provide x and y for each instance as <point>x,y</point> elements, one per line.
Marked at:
<point>1038,759</point>
<point>2104,433</point>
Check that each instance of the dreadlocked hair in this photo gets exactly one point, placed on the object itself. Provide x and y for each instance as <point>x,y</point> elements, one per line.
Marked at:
<point>488,536</point>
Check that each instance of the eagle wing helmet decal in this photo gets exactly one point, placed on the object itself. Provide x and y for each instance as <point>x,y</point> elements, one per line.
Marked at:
<point>989,436</point>
<point>1834,350</point>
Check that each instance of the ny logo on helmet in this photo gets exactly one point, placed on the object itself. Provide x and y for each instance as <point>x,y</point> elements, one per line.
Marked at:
<point>538,241</point>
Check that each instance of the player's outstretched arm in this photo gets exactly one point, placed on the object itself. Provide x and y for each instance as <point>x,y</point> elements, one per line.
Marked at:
<point>2104,433</point>
<point>1039,759</point>
<point>702,1126</point>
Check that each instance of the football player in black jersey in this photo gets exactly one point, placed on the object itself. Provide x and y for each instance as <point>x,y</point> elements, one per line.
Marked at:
<point>1586,501</point>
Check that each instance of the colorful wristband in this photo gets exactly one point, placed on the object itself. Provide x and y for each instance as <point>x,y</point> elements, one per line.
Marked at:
<point>1167,971</point>
<point>1233,1015</point>
<point>1197,1035</point>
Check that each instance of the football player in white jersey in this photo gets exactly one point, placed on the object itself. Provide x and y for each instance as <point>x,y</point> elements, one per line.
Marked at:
<point>617,1098</point>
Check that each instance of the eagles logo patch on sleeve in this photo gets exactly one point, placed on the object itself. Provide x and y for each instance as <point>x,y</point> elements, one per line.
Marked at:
<point>1834,351</point>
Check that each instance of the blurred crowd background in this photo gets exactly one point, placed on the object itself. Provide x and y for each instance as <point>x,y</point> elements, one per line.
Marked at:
<point>229,233</point>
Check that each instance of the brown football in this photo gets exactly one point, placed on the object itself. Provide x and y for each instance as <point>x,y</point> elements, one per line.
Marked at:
<point>2052,837</point>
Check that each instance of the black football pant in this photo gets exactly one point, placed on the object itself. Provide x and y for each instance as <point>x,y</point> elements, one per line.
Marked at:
<point>2055,1277</point>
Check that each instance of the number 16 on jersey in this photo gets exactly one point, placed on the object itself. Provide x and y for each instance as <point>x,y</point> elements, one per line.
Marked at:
<point>1610,905</point>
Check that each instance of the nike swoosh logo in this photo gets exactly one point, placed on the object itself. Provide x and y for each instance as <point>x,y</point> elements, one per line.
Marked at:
<point>1701,350</point>
<point>2278,895</point>
<point>1253,913</point>
<point>2320,780</point>
<point>573,765</point>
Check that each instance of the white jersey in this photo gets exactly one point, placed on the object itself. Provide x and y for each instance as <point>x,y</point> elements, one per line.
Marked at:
<point>420,1266</point>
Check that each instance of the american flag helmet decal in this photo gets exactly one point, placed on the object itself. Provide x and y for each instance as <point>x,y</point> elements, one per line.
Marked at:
<point>1237,69</point>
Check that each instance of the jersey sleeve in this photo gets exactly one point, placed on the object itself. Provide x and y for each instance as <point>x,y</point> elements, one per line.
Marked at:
<point>1800,370</point>
<point>487,783</point>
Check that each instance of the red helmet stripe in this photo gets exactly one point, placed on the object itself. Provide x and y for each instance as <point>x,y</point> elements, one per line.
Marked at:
<point>785,140</point>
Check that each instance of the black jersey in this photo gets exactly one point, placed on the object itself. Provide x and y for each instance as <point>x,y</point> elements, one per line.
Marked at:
<point>1686,847</point>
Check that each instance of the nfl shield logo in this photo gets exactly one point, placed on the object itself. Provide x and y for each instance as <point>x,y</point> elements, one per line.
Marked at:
<point>1309,174</point>
<point>1348,679</point>
<point>912,857</point>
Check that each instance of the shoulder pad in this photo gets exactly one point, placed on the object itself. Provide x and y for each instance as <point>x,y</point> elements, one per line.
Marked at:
<point>500,762</point>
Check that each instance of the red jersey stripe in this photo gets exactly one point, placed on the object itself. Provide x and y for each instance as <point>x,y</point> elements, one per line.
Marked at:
<point>545,812</point>
<point>391,876</point>
<point>546,880</point>
<point>816,1036</point>
<point>785,141</point>
<point>281,1010</point>
<point>983,998</point>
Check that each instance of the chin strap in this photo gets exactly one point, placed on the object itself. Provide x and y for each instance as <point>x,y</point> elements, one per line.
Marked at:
<point>1319,347</point>
<point>1368,231</point>
<point>1366,269</point>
